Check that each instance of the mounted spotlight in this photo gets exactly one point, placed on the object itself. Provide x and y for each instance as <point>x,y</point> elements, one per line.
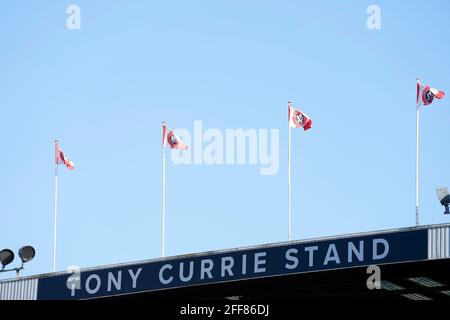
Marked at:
<point>444,198</point>
<point>6,257</point>
<point>26,254</point>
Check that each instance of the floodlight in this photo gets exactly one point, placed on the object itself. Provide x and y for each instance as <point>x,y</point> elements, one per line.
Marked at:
<point>6,257</point>
<point>444,198</point>
<point>26,253</point>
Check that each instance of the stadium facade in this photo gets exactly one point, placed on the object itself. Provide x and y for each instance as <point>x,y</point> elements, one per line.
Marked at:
<point>413,263</point>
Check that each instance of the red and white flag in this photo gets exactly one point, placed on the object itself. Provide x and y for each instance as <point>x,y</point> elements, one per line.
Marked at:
<point>61,158</point>
<point>169,138</point>
<point>298,119</point>
<point>426,94</point>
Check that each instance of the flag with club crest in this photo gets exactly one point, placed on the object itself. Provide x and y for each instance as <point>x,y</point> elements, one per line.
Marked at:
<point>61,158</point>
<point>298,119</point>
<point>170,139</point>
<point>426,94</point>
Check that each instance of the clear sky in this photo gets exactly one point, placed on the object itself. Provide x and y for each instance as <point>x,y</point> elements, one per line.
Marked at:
<point>104,89</point>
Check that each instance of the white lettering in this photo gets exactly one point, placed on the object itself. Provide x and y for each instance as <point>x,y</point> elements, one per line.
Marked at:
<point>379,256</point>
<point>97,286</point>
<point>206,269</point>
<point>134,276</point>
<point>291,258</point>
<point>311,254</point>
<point>259,262</point>
<point>329,257</point>
<point>112,280</point>
<point>191,271</point>
<point>227,264</point>
<point>358,253</point>
<point>161,274</point>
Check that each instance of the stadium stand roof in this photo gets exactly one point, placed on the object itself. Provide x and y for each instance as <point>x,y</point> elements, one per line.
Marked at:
<point>407,263</point>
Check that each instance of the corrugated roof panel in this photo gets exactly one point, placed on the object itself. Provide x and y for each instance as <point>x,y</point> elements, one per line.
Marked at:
<point>438,242</point>
<point>22,289</point>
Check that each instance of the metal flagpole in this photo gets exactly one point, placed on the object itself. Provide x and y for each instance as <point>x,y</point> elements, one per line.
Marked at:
<point>289,174</point>
<point>163,191</point>
<point>417,157</point>
<point>56,205</point>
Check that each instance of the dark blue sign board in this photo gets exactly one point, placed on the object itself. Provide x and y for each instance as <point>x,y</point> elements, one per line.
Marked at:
<point>274,260</point>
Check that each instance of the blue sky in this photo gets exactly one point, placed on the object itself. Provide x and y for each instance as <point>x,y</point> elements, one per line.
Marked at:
<point>103,91</point>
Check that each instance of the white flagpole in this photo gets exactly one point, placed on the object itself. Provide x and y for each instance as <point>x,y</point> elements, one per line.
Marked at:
<point>56,206</point>
<point>289,175</point>
<point>163,193</point>
<point>417,158</point>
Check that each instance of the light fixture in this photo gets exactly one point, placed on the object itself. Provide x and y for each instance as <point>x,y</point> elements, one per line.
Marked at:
<point>426,282</point>
<point>6,257</point>
<point>446,292</point>
<point>415,296</point>
<point>26,254</point>
<point>389,286</point>
<point>444,198</point>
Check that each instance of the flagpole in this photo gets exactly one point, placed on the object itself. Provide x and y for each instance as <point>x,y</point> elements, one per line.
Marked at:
<point>289,175</point>
<point>55,206</point>
<point>163,197</point>
<point>417,158</point>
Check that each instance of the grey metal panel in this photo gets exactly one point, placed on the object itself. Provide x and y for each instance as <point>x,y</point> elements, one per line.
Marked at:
<point>439,242</point>
<point>22,289</point>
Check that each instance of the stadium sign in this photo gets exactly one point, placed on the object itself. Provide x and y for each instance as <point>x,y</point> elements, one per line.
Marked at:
<point>239,264</point>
